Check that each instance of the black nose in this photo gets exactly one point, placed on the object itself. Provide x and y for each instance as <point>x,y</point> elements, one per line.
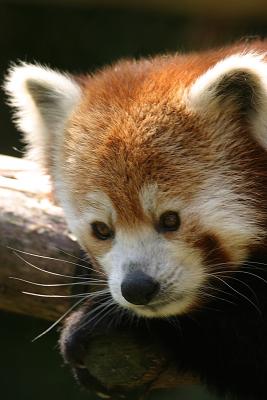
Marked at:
<point>139,288</point>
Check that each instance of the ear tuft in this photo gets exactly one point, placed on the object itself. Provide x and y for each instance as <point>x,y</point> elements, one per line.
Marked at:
<point>237,84</point>
<point>43,100</point>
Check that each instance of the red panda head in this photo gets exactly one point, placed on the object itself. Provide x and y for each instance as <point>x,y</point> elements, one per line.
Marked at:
<point>159,165</point>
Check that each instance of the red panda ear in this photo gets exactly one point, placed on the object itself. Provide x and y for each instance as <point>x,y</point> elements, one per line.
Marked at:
<point>43,100</point>
<point>237,88</point>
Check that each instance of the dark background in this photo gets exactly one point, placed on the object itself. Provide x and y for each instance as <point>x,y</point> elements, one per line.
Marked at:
<point>81,36</point>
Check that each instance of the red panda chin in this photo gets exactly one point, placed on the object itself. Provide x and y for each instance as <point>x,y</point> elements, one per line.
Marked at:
<point>165,309</point>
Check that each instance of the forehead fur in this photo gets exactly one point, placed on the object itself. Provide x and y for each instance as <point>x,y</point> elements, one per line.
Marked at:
<point>133,128</point>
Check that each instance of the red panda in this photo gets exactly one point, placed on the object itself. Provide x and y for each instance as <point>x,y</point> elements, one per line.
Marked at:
<point>160,166</point>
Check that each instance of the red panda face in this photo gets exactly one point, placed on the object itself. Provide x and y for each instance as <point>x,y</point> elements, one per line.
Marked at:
<point>160,167</point>
<point>140,172</point>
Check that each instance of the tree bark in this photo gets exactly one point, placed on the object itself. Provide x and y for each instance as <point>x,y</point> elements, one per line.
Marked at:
<point>31,223</point>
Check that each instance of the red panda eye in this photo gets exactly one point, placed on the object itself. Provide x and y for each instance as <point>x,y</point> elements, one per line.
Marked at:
<point>102,231</point>
<point>169,221</point>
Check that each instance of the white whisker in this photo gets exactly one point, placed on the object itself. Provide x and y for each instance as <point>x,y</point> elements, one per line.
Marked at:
<point>240,294</point>
<point>104,312</point>
<point>93,283</point>
<point>216,297</point>
<point>51,258</point>
<point>243,283</point>
<point>59,319</point>
<point>69,254</point>
<point>49,272</point>
<point>53,295</point>
<point>93,294</point>
<point>217,290</point>
<point>101,307</point>
<point>245,272</point>
<point>119,312</point>
<point>80,259</point>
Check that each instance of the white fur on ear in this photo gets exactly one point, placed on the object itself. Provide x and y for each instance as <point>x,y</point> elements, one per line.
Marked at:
<point>43,100</point>
<point>204,90</point>
<point>237,84</point>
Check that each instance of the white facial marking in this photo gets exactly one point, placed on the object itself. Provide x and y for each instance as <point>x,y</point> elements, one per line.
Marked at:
<point>175,267</point>
<point>221,210</point>
<point>148,198</point>
<point>100,207</point>
<point>154,202</point>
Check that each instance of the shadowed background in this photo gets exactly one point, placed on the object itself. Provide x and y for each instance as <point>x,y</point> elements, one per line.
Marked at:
<point>81,36</point>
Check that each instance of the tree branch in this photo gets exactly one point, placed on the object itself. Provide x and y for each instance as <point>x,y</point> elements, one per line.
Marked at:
<point>30,222</point>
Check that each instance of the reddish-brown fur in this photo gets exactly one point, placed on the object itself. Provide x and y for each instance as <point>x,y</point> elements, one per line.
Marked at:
<point>132,128</point>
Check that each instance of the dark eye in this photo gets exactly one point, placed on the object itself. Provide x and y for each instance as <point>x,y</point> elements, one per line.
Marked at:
<point>169,221</point>
<point>102,231</point>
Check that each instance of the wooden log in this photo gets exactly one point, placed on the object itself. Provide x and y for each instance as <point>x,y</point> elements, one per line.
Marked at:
<point>31,223</point>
